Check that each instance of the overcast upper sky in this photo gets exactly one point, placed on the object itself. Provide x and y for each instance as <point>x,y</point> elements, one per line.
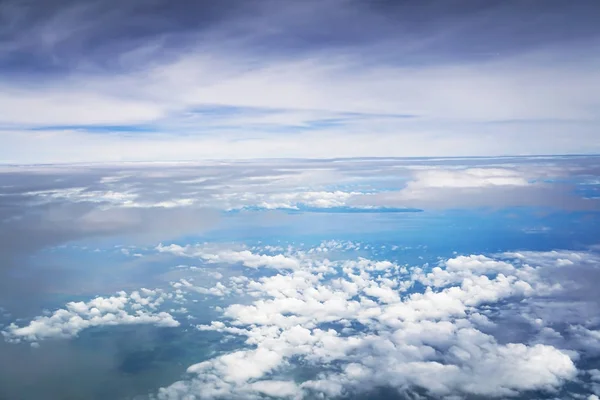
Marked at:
<point>178,80</point>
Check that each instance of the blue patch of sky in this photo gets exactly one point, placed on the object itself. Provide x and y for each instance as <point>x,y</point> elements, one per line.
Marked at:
<point>327,210</point>
<point>103,129</point>
<point>352,210</point>
<point>220,114</point>
<point>381,185</point>
<point>465,231</point>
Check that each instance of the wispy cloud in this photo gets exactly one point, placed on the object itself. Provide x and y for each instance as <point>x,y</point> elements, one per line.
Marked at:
<point>311,79</point>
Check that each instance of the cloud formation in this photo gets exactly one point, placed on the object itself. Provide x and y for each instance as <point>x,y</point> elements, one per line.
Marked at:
<point>139,307</point>
<point>116,81</point>
<point>359,325</point>
<point>46,206</point>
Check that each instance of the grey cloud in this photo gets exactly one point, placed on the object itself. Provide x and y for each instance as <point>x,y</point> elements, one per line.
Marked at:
<point>22,238</point>
<point>60,34</point>
<point>28,225</point>
<point>558,197</point>
<point>52,224</point>
<point>172,80</point>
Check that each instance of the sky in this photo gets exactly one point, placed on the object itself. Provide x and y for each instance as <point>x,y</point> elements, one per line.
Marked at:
<point>316,199</point>
<point>103,81</point>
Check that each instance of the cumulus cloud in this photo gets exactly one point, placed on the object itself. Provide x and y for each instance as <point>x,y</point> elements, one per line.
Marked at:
<point>184,285</point>
<point>365,324</point>
<point>138,307</point>
<point>462,267</point>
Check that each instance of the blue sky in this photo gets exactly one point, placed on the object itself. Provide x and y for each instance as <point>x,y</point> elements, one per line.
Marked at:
<point>137,80</point>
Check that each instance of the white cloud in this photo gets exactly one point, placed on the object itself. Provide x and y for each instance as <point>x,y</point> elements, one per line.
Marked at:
<point>122,199</point>
<point>123,309</point>
<point>282,389</point>
<point>359,185</point>
<point>466,178</point>
<point>365,103</point>
<point>290,200</point>
<point>218,290</point>
<point>485,186</point>
<point>244,257</point>
<point>462,267</point>
<point>367,322</point>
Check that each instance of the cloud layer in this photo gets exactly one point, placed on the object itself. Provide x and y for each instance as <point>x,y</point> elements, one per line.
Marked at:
<point>188,80</point>
<point>323,322</point>
<point>46,206</point>
<point>358,325</point>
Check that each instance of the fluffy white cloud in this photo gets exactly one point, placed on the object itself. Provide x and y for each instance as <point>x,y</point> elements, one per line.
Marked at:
<point>461,267</point>
<point>363,318</point>
<point>139,307</point>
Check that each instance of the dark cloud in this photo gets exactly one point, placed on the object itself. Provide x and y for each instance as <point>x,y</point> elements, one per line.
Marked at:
<point>57,35</point>
<point>61,35</point>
